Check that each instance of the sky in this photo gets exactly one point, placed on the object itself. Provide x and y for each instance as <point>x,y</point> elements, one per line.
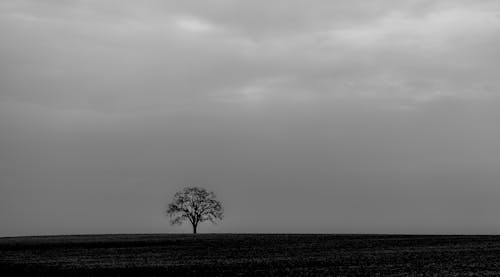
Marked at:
<point>302,116</point>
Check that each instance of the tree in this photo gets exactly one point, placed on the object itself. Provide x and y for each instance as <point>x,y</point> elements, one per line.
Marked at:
<point>195,205</point>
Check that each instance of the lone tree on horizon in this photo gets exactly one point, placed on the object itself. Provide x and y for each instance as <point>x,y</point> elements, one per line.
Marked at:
<point>195,205</point>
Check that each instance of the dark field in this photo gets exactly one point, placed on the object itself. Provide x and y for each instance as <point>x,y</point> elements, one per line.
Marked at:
<point>241,254</point>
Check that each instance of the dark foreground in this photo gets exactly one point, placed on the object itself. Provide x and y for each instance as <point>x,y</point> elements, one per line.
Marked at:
<point>232,254</point>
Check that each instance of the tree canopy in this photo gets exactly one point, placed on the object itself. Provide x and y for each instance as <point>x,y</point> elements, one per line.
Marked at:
<point>195,205</point>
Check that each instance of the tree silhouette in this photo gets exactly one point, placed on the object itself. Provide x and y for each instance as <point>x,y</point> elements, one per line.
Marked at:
<point>195,205</point>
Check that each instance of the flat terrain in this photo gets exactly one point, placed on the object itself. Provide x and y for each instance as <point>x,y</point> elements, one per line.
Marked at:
<point>250,254</point>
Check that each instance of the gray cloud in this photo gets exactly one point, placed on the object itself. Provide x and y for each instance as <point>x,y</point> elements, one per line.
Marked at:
<point>379,116</point>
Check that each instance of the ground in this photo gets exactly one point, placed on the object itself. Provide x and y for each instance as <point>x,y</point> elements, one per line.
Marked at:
<point>251,254</point>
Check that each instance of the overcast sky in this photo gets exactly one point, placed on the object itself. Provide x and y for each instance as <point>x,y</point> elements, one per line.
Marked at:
<point>303,116</point>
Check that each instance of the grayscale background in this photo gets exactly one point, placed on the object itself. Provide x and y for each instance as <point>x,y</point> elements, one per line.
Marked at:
<point>302,116</point>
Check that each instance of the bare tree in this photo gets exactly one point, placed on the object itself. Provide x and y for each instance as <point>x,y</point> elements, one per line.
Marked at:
<point>196,205</point>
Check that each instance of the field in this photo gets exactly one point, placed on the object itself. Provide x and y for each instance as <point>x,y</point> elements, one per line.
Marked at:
<point>250,254</point>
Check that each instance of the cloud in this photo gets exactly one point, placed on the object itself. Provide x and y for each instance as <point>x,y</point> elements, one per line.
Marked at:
<point>382,103</point>
<point>192,24</point>
<point>429,31</point>
<point>384,49</point>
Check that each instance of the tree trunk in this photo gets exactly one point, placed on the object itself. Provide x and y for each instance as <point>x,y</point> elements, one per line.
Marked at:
<point>194,228</point>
